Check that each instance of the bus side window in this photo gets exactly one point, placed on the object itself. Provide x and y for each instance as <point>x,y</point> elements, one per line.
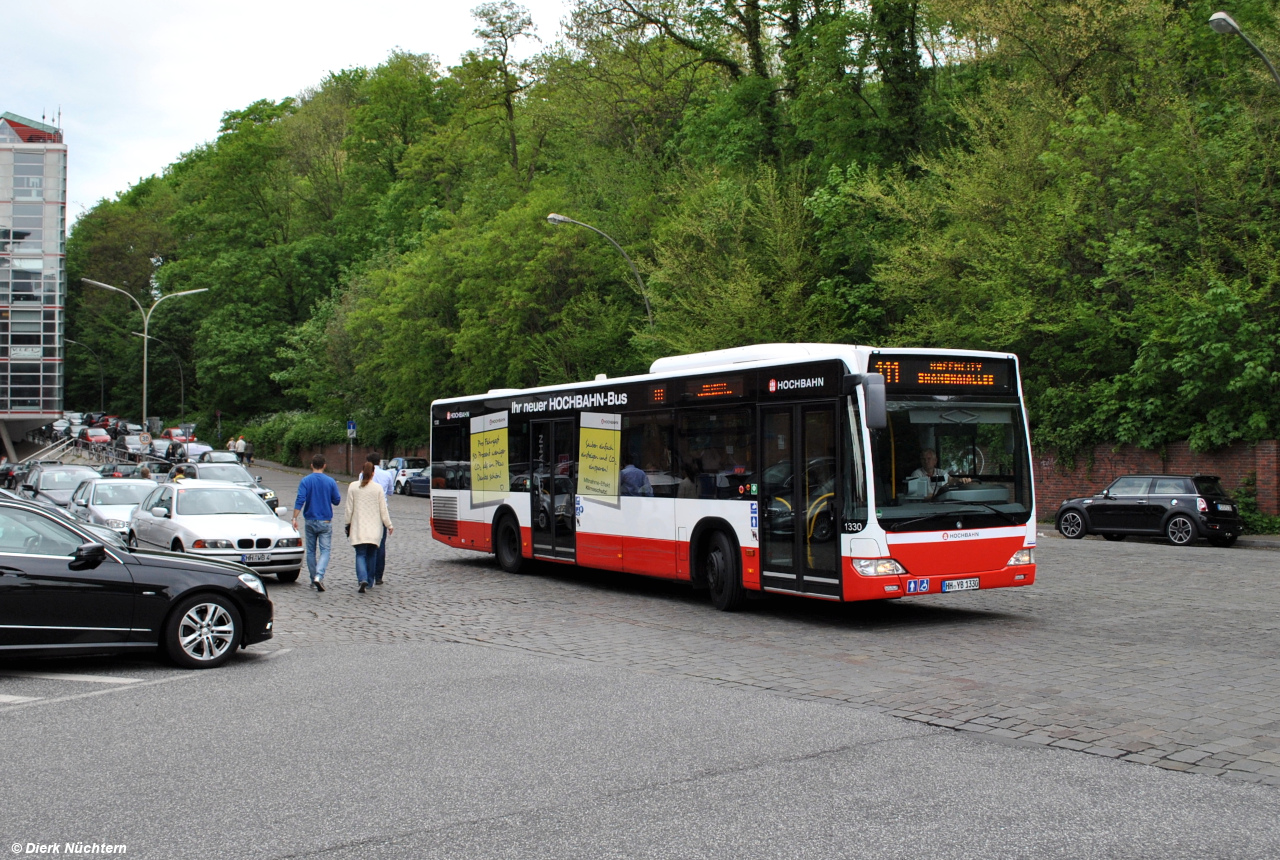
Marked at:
<point>450,459</point>
<point>647,441</point>
<point>716,450</point>
<point>518,456</point>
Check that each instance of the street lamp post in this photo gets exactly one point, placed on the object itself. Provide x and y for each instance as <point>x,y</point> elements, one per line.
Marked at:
<point>146,324</point>
<point>644,293</point>
<point>182,380</point>
<point>1223,23</point>
<point>102,388</point>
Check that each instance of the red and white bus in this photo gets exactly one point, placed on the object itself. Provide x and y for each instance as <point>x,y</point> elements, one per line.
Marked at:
<point>829,471</point>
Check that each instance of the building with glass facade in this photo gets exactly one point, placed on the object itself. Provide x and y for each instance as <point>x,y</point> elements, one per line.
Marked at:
<point>33,276</point>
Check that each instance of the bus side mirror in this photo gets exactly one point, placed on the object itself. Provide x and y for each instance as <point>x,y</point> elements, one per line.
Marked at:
<point>877,415</point>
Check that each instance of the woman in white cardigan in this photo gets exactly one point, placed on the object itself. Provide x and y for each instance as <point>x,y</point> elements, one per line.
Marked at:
<point>366,514</point>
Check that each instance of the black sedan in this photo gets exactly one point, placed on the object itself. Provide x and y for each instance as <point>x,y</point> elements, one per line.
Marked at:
<point>55,483</point>
<point>63,591</point>
<point>1180,507</point>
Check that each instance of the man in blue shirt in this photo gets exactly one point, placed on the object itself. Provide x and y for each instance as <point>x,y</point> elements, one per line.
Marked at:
<point>633,480</point>
<point>317,494</point>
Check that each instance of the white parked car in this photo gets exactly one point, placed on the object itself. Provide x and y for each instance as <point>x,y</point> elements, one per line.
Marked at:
<point>220,520</point>
<point>109,502</point>
<point>405,468</point>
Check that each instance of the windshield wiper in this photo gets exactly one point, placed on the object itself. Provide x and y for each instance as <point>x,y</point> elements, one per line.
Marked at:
<point>896,525</point>
<point>1008,517</point>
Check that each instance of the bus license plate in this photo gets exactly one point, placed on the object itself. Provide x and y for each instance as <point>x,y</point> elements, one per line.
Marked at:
<point>959,585</point>
<point>266,556</point>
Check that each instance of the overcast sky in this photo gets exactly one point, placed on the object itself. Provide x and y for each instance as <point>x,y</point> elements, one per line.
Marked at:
<point>140,82</point>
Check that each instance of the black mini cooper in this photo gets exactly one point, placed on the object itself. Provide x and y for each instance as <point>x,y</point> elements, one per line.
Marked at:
<point>1180,507</point>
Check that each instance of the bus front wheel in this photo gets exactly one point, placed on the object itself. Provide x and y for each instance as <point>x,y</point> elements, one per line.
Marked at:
<point>723,574</point>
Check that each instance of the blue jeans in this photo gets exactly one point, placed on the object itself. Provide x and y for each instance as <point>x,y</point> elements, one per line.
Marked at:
<point>366,562</point>
<point>319,538</point>
<point>382,557</point>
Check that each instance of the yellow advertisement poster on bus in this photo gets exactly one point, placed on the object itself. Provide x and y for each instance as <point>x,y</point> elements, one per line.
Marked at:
<point>488,458</point>
<point>599,445</point>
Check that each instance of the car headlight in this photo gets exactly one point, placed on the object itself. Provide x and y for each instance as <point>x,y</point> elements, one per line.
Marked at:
<point>1023,556</point>
<point>878,567</point>
<point>117,524</point>
<point>289,542</point>
<point>212,544</point>
<point>253,582</point>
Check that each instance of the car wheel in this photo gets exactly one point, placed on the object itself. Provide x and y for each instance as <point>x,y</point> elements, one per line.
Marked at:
<point>203,632</point>
<point>408,489</point>
<point>131,541</point>
<point>288,575</point>
<point>1071,524</point>
<point>1180,531</point>
<point>1114,537</point>
<point>507,546</point>
<point>1222,541</point>
<point>724,579</point>
<point>823,529</point>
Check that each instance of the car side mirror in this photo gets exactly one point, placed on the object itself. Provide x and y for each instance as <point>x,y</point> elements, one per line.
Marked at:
<point>81,503</point>
<point>31,488</point>
<point>88,556</point>
<point>259,479</point>
<point>159,512</point>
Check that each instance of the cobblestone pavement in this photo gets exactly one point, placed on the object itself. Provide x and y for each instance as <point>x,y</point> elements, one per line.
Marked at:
<point>1138,651</point>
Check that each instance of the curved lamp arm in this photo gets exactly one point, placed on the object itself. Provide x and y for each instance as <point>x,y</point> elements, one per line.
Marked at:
<point>644,292</point>
<point>1223,23</point>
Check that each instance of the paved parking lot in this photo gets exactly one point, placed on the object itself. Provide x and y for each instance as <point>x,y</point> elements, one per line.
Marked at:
<point>1138,651</point>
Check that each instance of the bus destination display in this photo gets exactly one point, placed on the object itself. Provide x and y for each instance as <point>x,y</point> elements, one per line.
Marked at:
<point>945,375</point>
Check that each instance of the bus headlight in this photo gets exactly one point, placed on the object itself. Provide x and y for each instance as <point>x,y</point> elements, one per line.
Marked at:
<point>1023,556</point>
<point>878,567</point>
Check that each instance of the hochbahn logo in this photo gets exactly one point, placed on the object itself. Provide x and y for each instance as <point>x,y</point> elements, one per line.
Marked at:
<point>449,416</point>
<point>776,385</point>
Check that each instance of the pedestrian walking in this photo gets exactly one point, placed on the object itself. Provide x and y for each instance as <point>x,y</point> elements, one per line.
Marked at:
<point>367,516</point>
<point>240,449</point>
<point>317,494</point>
<point>248,451</point>
<point>386,479</point>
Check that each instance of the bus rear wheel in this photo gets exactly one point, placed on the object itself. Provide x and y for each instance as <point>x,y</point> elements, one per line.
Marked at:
<point>507,545</point>
<point>723,574</point>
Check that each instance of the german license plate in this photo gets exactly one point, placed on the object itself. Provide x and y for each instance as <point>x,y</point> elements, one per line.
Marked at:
<point>266,556</point>
<point>959,585</point>
<point>1225,508</point>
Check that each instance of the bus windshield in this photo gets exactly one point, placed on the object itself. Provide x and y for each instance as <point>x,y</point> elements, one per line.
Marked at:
<point>942,464</point>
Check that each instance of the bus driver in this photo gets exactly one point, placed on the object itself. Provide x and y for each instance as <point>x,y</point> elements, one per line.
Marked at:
<point>939,479</point>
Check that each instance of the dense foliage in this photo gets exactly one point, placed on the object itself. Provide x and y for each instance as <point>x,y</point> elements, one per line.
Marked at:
<point>1090,184</point>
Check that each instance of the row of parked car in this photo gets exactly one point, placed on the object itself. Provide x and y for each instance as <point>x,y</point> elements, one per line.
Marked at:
<point>96,564</point>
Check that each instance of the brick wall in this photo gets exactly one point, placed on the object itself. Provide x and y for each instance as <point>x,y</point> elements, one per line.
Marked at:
<point>1054,482</point>
<point>336,456</point>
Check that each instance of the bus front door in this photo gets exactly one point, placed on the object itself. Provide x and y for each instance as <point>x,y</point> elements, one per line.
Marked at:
<point>798,499</point>
<point>554,488</point>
